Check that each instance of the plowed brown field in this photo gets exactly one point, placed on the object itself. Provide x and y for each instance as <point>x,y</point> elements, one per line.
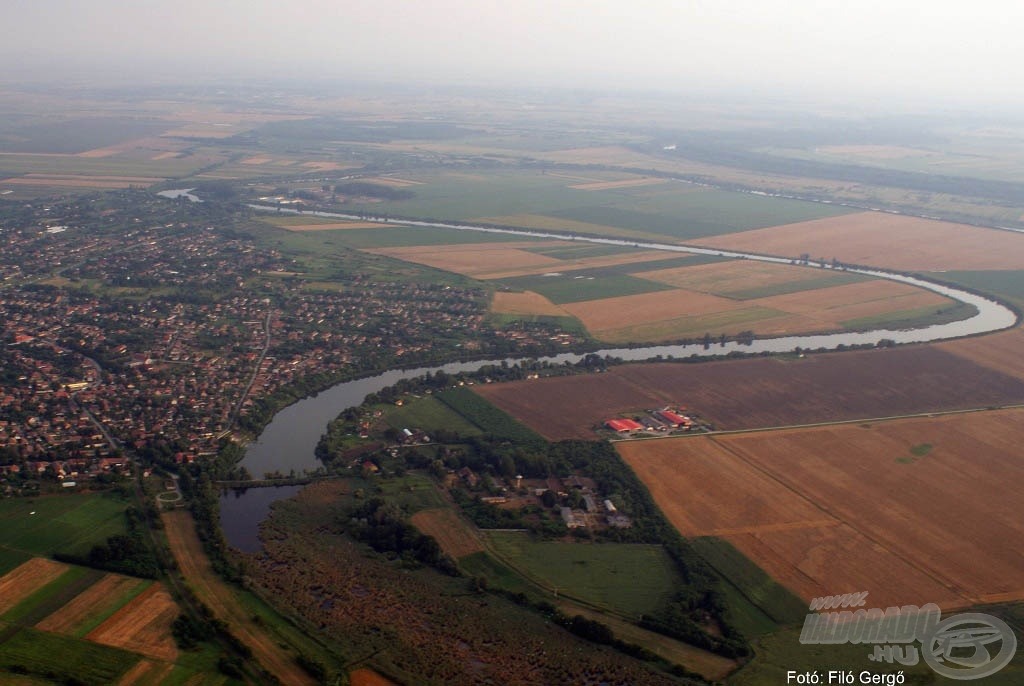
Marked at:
<point>25,579</point>
<point>1000,351</point>
<point>913,511</point>
<point>143,625</point>
<point>884,240</point>
<point>762,392</point>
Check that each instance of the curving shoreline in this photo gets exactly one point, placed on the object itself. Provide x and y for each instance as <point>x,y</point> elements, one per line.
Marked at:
<point>288,441</point>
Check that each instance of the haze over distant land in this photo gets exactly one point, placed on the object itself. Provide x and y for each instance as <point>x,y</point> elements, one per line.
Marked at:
<point>956,55</point>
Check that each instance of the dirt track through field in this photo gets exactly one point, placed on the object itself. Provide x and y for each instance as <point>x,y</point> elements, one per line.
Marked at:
<point>195,566</point>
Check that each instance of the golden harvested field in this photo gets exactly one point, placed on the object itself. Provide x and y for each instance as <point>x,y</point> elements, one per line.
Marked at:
<point>211,590</point>
<point>573,264</point>
<point>143,625</point>
<point>613,313</point>
<point>475,260</point>
<point>734,276</point>
<point>761,392</point>
<point>913,511</point>
<point>884,240</point>
<point>88,603</point>
<point>832,306</point>
<point>28,577</point>
<point>455,537</point>
<point>999,351</point>
<point>525,303</point>
<point>610,185</point>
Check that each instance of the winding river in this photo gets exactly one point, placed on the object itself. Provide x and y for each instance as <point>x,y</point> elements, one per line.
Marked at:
<point>288,442</point>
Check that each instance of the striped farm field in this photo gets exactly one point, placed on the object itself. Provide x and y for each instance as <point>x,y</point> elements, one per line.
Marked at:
<point>524,303</point>
<point>837,508</point>
<point>143,625</point>
<point>98,602</point>
<point>26,579</point>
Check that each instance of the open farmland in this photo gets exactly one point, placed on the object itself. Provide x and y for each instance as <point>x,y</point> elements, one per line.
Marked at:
<point>106,595</point>
<point>817,526</point>
<point>143,625</point>
<point>761,392</point>
<point>885,240</point>
<point>456,537</point>
<point>745,279</point>
<point>999,351</point>
<point>69,523</point>
<point>19,584</point>
<point>527,303</point>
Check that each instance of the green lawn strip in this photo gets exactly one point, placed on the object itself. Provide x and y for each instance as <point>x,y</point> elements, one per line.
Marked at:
<point>52,596</point>
<point>498,574</point>
<point>63,659</point>
<point>628,578</point>
<point>108,610</point>
<point>581,285</point>
<point>11,559</point>
<point>428,414</point>
<point>412,492</point>
<point>777,602</point>
<point>1006,282</point>
<point>913,318</point>
<point>827,281</point>
<point>567,324</point>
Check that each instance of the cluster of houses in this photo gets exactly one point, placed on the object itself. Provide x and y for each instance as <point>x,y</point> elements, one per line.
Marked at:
<point>661,420</point>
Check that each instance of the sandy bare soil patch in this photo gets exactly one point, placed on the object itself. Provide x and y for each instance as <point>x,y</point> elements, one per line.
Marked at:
<point>885,490</point>
<point>525,303</point>
<point>610,185</point>
<point>87,603</point>
<point>455,537</point>
<point>22,581</point>
<point>165,155</point>
<point>884,240</point>
<point>143,625</point>
<point>761,392</point>
<point>195,567</point>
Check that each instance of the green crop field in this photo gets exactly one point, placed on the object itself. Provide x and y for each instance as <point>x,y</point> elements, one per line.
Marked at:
<point>1009,283</point>
<point>827,281</point>
<point>581,251</point>
<point>777,603</point>
<point>630,578</point>
<point>579,286</point>
<point>113,604</point>
<point>62,659</point>
<point>489,418</point>
<point>429,414</point>
<point>71,523</point>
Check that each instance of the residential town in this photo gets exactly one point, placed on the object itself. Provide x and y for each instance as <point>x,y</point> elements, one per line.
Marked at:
<point>119,340</point>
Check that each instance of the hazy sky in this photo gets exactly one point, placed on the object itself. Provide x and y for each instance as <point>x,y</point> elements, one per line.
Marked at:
<point>969,51</point>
